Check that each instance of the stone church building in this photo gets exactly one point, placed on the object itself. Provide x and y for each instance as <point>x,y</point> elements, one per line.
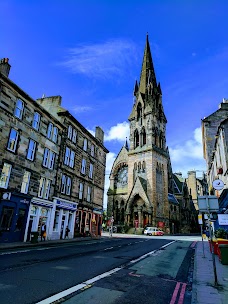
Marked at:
<point>138,192</point>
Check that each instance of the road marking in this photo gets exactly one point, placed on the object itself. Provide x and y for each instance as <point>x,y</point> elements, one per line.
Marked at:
<point>150,253</point>
<point>68,291</point>
<point>5,253</point>
<point>134,274</point>
<point>181,299</point>
<point>21,251</point>
<point>193,244</point>
<point>75,288</point>
<point>173,300</point>
<point>108,248</point>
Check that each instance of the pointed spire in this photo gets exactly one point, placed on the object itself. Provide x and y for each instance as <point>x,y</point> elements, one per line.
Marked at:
<point>126,144</point>
<point>147,72</point>
<point>136,88</point>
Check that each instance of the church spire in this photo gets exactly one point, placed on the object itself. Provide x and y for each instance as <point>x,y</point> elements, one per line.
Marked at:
<point>126,144</point>
<point>147,73</point>
<point>136,88</point>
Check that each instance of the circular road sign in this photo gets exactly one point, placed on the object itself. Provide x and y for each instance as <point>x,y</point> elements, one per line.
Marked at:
<point>218,184</point>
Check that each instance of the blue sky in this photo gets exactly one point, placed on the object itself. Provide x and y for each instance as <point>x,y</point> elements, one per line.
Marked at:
<point>90,52</point>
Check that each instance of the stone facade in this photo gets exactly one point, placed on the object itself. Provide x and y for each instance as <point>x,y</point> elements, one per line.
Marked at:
<point>50,167</point>
<point>215,143</point>
<point>86,172</point>
<point>138,193</point>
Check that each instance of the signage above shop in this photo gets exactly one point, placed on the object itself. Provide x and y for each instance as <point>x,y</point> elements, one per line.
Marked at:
<point>67,205</point>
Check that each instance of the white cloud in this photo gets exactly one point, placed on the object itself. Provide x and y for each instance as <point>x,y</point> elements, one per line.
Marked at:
<point>81,109</point>
<point>188,155</point>
<point>102,60</point>
<point>118,132</point>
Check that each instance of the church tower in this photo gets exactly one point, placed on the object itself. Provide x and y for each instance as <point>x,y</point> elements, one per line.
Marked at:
<point>146,196</point>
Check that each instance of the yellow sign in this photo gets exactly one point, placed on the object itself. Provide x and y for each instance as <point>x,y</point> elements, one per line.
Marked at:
<point>200,219</point>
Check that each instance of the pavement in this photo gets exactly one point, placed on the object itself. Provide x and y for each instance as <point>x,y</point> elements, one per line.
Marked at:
<point>204,287</point>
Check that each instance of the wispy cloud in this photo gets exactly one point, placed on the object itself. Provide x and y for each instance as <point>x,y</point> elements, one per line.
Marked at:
<point>81,109</point>
<point>101,60</point>
<point>118,132</point>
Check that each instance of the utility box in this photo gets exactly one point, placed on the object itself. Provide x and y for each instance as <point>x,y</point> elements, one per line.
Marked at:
<point>224,253</point>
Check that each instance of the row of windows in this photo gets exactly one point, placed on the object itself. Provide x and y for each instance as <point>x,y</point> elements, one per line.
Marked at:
<point>49,156</point>
<point>72,135</point>
<point>140,166</point>
<point>139,139</point>
<point>52,131</point>
<point>44,185</point>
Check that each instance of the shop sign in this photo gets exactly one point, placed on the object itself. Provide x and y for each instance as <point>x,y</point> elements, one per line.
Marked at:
<point>223,219</point>
<point>24,201</point>
<point>66,204</point>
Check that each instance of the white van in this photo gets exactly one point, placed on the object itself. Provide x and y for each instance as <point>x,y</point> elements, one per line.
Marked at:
<point>153,231</point>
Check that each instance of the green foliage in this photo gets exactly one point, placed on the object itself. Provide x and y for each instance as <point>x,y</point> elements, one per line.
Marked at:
<point>221,233</point>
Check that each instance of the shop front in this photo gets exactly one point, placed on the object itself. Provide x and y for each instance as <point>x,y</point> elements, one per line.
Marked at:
<point>40,212</point>
<point>88,222</point>
<point>63,219</point>
<point>13,216</point>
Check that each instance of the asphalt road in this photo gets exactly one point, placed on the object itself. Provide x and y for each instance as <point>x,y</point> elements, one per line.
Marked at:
<point>31,275</point>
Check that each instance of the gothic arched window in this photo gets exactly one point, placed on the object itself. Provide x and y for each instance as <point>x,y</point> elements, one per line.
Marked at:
<point>136,138</point>
<point>139,167</point>
<point>161,140</point>
<point>143,136</point>
<point>143,166</point>
<point>139,112</point>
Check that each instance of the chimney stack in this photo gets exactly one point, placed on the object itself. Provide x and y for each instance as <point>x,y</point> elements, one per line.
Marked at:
<point>5,66</point>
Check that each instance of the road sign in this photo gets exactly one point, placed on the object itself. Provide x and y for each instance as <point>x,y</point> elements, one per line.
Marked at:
<point>200,219</point>
<point>218,184</point>
<point>208,203</point>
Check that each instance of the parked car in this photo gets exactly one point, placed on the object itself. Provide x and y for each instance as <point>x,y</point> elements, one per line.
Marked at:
<point>153,231</point>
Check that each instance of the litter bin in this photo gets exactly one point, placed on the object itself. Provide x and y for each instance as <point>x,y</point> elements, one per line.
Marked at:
<point>224,253</point>
<point>34,236</point>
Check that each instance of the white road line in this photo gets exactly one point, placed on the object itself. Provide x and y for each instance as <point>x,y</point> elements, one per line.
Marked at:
<point>75,288</point>
<point>5,253</point>
<point>108,248</point>
<point>21,251</point>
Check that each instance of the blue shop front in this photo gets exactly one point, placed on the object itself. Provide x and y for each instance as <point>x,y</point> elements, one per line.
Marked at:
<point>13,216</point>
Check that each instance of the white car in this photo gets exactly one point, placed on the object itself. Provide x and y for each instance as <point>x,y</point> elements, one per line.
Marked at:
<point>153,231</point>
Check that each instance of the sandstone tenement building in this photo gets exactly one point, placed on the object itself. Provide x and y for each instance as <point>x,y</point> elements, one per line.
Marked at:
<point>51,168</point>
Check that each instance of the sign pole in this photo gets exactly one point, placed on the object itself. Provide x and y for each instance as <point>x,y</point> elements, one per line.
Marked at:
<point>212,247</point>
<point>201,227</point>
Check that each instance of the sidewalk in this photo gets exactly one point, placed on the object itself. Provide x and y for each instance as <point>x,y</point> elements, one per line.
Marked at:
<point>203,288</point>
<point>17,245</point>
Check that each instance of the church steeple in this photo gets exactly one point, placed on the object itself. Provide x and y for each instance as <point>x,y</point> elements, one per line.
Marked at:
<point>147,73</point>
